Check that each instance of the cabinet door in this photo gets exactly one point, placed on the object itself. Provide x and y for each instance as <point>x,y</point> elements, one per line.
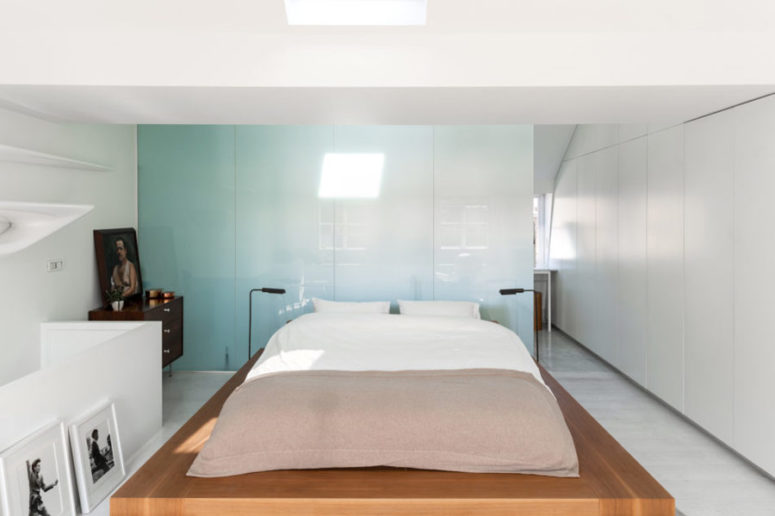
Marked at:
<point>665,351</point>
<point>607,251</point>
<point>631,299</point>
<point>562,247</point>
<point>709,271</point>
<point>754,283</point>
<point>587,169</point>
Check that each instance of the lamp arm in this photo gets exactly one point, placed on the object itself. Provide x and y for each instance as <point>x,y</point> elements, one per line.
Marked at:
<point>513,291</point>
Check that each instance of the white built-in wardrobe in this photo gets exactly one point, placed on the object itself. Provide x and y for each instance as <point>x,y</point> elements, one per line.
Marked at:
<point>664,238</point>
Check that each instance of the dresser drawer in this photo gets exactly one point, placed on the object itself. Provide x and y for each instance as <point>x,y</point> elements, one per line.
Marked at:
<point>169,313</point>
<point>166,312</point>
<point>171,352</point>
<point>171,329</point>
<point>171,342</point>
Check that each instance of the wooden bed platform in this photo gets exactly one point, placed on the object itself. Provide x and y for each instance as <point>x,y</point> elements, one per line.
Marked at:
<point>611,482</point>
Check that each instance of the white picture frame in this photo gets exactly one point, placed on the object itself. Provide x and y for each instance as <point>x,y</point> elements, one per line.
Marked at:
<point>35,475</point>
<point>97,456</point>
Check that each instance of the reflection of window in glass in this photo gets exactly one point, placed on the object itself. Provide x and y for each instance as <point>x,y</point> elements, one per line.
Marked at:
<point>464,226</point>
<point>538,258</point>
<point>325,228</point>
<point>348,232</point>
<point>542,209</point>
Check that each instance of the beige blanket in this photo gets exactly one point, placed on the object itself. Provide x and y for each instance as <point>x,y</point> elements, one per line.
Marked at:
<point>473,420</point>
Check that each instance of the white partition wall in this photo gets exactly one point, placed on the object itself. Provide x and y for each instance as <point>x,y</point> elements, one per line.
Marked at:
<point>121,363</point>
<point>687,249</point>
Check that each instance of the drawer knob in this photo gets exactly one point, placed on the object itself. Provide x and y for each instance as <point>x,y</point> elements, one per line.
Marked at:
<point>166,351</point>
<point>167,331</point>
<point>166,309</point>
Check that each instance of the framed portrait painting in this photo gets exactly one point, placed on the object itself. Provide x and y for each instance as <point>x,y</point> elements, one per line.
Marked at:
<point>35,475</point>
<point>118,262</point>
<point>99,462</point>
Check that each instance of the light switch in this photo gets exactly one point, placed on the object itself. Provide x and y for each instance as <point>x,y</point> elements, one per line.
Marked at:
<point>55,265</point>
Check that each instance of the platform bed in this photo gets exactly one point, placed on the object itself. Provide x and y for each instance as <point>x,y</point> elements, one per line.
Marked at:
<point>611,481</point>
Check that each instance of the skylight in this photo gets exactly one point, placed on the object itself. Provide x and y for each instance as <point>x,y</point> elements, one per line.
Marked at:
<point>351,176</point>
<point>356,12</point>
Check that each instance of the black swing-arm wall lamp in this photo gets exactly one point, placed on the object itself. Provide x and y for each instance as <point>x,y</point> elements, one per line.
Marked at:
<point>512,291</point>
<point>265,290</point>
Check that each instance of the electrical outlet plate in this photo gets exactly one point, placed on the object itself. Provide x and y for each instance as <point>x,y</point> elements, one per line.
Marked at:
<point>55,265</point>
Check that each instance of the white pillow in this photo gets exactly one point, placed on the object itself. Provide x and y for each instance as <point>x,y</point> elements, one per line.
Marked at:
<point>374,307</point>
<point>441,308</point>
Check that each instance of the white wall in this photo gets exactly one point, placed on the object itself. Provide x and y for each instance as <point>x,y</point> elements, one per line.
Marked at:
<point>675,223</point>
<point>549,145</point>
<point>122,364</point>
<point>28,294</point>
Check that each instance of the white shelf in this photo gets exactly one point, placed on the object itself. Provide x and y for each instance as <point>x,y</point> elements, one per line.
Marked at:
<point>24,223</point>
<point>13,154</point>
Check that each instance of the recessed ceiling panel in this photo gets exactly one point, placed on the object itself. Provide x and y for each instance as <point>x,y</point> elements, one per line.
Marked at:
<point>356,12</point>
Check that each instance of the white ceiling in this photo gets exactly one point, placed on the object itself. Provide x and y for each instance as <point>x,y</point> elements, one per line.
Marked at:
<point>476,61</point>
<point>268,16</point>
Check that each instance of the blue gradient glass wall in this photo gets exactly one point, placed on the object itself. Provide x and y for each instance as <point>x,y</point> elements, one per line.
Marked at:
<point>223,209</point>
<point>279,240</point>
<point>483,227</point>
<point>384,246</point>
<point>186,222</point>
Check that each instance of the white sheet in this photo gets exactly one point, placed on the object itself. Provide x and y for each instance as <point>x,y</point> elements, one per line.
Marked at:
<point>384,342</point>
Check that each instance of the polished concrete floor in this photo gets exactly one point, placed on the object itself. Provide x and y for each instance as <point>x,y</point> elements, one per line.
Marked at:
<point>705,477</point>
<point>184,393</point>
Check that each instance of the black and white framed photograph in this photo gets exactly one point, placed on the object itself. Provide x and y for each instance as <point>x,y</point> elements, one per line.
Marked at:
<point>35,475</point>
<point>99,463</point>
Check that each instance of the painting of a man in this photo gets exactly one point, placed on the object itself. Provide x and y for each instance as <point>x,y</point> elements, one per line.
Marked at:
<point>124,273</point>
<point>118,261</point>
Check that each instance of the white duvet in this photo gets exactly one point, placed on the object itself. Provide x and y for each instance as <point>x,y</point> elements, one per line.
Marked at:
<point>384,342</point>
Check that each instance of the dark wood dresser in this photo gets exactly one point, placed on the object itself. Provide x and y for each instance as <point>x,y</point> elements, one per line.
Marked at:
<point>168,311</point>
